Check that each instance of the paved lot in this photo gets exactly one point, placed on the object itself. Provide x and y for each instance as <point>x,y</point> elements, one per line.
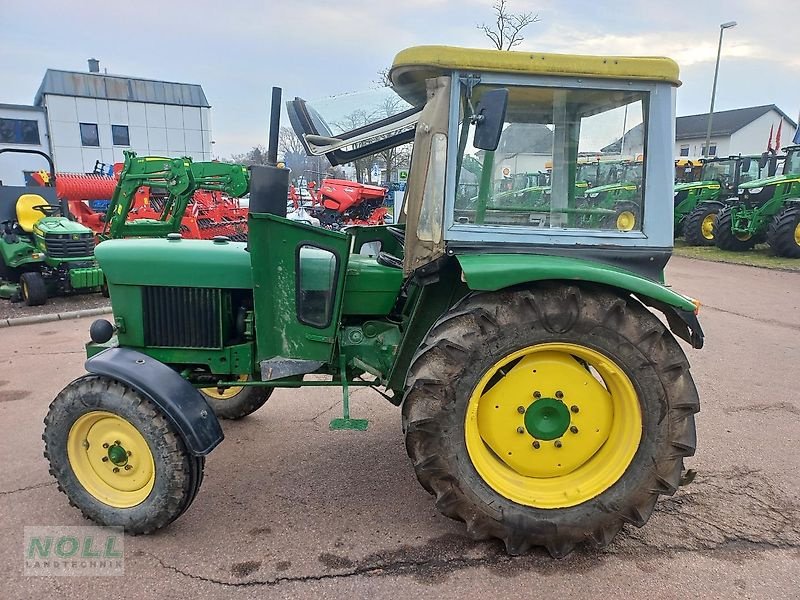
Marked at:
<point>289,509</point>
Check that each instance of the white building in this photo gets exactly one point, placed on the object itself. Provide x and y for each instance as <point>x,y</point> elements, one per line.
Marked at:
<point>23,127</point>
<point>91,117</point>
<point>738,131</point>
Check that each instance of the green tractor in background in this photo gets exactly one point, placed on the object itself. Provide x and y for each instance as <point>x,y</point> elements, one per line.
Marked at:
<point>42,251</point>
<point>698,203</point>
<point>765,209</point>
<point>618,196</point>
<point>543,401</point>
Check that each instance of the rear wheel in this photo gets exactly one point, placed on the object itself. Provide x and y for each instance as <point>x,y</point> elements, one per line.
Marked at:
<point>117,457</point>
<point>698,226</point>
<point>726,239</point>
<point>237,401</point>
<point>549,417</point>
<point>783,234</point>
<point>33,288</point>
<point>627,217</point>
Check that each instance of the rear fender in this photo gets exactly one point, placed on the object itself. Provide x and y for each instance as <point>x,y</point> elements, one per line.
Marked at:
<point>183,405</point>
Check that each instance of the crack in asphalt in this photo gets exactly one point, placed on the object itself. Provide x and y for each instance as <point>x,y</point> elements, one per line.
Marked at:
<point>25,489</point>
<point>736,511</point>
<point>752,318</point>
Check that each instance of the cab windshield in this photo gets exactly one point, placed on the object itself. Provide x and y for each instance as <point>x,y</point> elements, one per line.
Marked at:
<point>719,170</point>
<point>792,164</point>
<point>555,129</point>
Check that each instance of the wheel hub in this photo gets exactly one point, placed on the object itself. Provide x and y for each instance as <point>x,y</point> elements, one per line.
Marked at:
<point>707,227</point>
<point>547,419</point>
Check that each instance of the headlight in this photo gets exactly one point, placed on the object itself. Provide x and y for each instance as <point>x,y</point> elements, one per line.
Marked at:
<point>755,190</point>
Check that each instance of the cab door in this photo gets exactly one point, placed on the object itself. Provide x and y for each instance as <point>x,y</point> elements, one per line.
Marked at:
<point>298,282</point>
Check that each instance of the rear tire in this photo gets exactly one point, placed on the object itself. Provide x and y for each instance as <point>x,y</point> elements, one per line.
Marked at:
<point>461,352</point>
<point>33,288</point>
<point>783,234</point>
<point>627,217</point>
<point>698,226</point>
<point>725,239</point>
<point>236,402</point>
<point>163,478</point>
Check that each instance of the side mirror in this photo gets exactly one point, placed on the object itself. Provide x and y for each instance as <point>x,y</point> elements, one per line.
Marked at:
<point>489,117</point>
<point>746,163</point>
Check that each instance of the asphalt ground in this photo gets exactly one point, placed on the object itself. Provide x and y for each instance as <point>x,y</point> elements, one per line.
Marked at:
<point>291,509</point>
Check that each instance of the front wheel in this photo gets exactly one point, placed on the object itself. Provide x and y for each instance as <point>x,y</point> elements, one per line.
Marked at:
<point>783,234</point>
<point>698,226</point>
<point>237,401</point>
<point>549,417</point>
<point>34,289</point>
<point>724,236</point>
<point>117,457</point>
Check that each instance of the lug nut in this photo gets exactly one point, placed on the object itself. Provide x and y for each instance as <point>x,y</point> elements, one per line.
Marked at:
<point>117,443</point>
<point>559,394</point>
<point>520,430</point>
<point>105,459</point>
<point>128,467</point>
<point>536,444</point>
<point>537,394</point>
<point>574,408</point>
<point>521,409</point>
<point>116,469</point>
<point>573,429</point>
<point>105,445</point>
<point>130,453</point>
<point>557,443</point>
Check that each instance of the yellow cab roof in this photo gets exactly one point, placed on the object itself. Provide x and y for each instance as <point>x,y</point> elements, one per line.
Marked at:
<point>411,67</point>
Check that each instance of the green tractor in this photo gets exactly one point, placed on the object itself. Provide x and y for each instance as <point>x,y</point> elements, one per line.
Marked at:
<point>43,252</point>
<point>615,204</point>
<point>698,203</point>
<point>543,402</point>
<point>765,209</point>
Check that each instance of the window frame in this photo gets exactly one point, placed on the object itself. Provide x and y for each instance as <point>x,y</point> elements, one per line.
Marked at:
<point>96,130</point>
<point>127,136</point>
<point>17,127</point>
<point>659,108</point>
<point>298,281</point>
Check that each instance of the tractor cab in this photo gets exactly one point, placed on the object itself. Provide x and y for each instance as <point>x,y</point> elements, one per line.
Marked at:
<point>42,251</point>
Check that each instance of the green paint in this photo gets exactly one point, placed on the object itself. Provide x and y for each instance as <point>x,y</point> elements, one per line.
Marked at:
<point>492,272</point>
<point>547,419</point>
<point>117,455</point>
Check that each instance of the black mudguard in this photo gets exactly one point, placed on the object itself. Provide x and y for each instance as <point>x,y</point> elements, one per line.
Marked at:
<point>683,323</point>
<point>181,403</point>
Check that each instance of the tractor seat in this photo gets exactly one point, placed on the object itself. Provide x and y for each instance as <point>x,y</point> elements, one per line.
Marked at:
<point>27,216</point>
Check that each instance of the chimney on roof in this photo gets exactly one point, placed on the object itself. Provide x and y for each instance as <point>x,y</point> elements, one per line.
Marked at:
<point>94,65</point>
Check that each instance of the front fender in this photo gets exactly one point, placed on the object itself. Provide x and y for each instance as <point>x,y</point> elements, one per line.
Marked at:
<point>183,405</point>
<point>491,272</point>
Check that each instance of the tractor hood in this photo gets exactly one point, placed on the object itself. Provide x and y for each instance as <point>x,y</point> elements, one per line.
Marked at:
<point>774,180</point>
<point>714,185</point>
<point>175,263</point>
<point>59,225</point>
<point>609,188</point>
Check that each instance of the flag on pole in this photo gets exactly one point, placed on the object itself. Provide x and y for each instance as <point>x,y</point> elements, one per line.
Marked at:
<point>778,136</point>
<point>769,143</point>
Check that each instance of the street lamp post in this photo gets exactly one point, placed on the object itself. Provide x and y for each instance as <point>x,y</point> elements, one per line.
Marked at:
<point>722,28</point>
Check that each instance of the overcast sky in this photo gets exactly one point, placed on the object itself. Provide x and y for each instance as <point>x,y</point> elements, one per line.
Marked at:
<point>238,49</point>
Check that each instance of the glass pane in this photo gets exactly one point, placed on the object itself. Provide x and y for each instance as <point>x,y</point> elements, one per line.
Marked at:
<point>567,159</point>
<point>119,134</point>
<point>316,285</point>
<point>89,135</point>
<point>19,131</point>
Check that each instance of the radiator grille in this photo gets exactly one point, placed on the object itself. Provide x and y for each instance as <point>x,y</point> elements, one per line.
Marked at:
<point>182,317</point>
<point>77,245</point>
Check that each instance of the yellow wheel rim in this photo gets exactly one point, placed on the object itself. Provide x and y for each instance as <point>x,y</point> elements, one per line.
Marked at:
<point>225,393</point>
<point>797,234</point>
<point>707,226</point>
<point>600,417</point>
<point>626,220</point>
<point>24,289</point>
<point>111,459</point>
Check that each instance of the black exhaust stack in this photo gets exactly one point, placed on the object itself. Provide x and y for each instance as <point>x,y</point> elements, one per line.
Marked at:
<point>269,184</point>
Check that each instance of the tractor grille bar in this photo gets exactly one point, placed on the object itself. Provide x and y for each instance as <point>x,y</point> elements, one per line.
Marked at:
<point>62,245</point>
<point>182,317</point>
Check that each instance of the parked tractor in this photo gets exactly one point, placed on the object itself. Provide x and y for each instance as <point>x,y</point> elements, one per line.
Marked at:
<point>543,401</point>
<point>765,209</point>
<point>698,203</point>
<point>42,252</point>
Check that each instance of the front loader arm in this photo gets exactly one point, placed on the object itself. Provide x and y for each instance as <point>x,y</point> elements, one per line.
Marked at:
<point>231,179</point>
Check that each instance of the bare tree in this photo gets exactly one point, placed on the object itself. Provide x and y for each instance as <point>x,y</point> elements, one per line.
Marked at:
<point>257,155</point>
<point>506,32</point>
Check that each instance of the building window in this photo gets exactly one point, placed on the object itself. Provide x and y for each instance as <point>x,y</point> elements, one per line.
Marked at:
<point>89,135</point>
<point>685,150</point>
<point>19,131</point>
<point>119,134</point>
<point>712,149</point>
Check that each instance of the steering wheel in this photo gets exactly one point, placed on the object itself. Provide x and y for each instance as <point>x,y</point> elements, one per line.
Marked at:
<point>48,210</point>
<point>397,234</point>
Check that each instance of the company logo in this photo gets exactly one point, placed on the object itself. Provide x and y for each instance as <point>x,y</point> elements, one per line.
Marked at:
<point>71,551</point>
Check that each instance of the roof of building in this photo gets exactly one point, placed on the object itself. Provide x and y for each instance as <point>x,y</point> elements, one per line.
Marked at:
<point>725,122</point>
<point>20,107</point>
<point>633,137</point>
<point>526,138</point>
<point>117,87</point>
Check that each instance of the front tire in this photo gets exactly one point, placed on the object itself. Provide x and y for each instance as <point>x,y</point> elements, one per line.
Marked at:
<point>576,347</point>
<point>698,226</point>
<point>117,457</point>
<point>33,288</point>
<point>237,401</point>
<point>726,239</point>
<point>783,234</point>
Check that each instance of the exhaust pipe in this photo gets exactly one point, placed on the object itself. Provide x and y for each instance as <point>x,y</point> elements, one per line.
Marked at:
<point>269,184</point>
